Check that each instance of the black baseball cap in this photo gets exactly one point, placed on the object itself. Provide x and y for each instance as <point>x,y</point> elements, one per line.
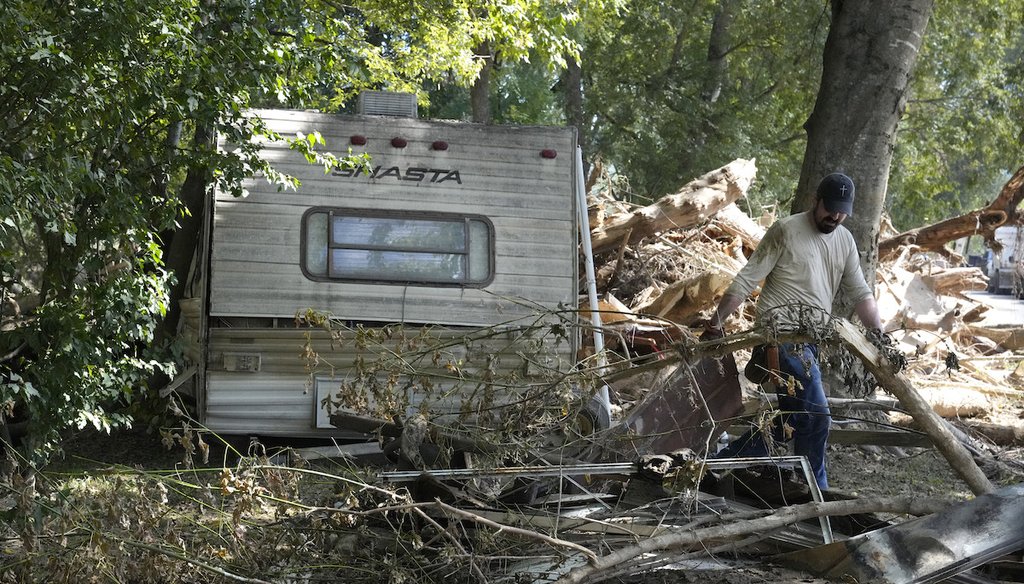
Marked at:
<point>836,191</point>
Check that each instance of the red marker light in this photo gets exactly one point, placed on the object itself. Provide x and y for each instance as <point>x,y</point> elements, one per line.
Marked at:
<point>439,145</point>
<point>548,153</point>
<point>358,140</point>
<point>399,142</point>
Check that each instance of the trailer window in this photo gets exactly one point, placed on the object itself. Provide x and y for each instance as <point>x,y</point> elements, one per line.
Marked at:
<point>441,249</point>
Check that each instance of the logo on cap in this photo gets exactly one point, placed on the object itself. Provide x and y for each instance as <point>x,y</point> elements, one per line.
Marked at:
<point>836,191</point>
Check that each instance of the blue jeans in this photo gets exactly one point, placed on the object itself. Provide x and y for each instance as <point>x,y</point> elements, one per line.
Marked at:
<point>806,412</point>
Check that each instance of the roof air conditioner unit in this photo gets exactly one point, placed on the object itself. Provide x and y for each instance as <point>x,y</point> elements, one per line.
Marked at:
<point>387,103</point>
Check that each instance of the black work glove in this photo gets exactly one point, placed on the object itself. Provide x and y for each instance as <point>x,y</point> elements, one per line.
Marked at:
<point>887,346</point>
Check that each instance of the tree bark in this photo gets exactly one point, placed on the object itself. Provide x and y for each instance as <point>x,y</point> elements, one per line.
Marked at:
<point>718,50</point>
<point>694,203</point>
<point>954,281</point>
<point>180,245</point>
<point>732,221</point>
<point>480,92</point>
<point>999,434</point>
<point>869,56</point>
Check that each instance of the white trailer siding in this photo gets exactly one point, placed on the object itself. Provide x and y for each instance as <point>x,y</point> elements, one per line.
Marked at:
<point>280,396</point>
<point>256,269</point>
<point>255,379</point>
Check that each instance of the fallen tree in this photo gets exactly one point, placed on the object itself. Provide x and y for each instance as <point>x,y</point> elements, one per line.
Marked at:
<point>930,422</point>
<point>979,222</point>
<point>694,203</point>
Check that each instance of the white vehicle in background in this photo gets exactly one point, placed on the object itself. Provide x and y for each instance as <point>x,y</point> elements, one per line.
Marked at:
<point>1003,266</point>
<point>1018,280</point>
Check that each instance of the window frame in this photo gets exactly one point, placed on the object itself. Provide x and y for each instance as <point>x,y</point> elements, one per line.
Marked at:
<point>464,218</point>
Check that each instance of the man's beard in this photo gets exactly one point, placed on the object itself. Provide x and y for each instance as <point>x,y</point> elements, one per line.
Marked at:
<point>827,225</point>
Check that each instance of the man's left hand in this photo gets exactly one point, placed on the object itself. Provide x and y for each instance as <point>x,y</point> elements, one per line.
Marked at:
<point>711,332</point>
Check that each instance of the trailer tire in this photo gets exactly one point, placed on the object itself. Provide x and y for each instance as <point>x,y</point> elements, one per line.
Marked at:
<point>602,418</point>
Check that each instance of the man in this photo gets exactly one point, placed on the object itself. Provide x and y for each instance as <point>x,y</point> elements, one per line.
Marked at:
<point>805,261</point>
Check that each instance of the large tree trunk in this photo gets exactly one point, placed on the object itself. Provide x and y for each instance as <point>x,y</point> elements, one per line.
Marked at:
<point>718,49</point>
<point>870,52</point>
<point>480,92</point>
<point>179,246</point>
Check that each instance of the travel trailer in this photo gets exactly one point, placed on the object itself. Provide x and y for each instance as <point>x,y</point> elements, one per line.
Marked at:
<point>451,226</point>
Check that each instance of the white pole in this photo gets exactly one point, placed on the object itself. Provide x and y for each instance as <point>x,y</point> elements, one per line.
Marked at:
<point>588,253</point>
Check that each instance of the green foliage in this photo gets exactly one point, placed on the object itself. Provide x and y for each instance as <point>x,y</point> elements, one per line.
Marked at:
<point>81,160</point>
<point>961,136</point>
<point>647,77</point>
<point>648,87</point>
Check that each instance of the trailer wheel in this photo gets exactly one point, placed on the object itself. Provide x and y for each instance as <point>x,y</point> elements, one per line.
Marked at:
<point>601,417</point>
<point>576,436</point>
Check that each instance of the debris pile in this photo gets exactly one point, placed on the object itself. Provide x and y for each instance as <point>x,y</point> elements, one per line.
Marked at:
<point>643,494</point>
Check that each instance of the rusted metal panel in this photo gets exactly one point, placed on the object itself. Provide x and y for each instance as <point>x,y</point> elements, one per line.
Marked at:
<point>690,410</point>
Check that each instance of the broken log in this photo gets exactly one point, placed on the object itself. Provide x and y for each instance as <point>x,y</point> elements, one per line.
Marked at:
<point>1010,339</point>
<point>694,203</point>
<point>682,301</point>
<point>981,221</point>
<point>933,237</point>
<point>732,221</point>
<point>936,428</point>
<point>999,434</point>
<point>955,280</point>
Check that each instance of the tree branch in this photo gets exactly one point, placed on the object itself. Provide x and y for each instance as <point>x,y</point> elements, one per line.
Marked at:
<point>909,504</point>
